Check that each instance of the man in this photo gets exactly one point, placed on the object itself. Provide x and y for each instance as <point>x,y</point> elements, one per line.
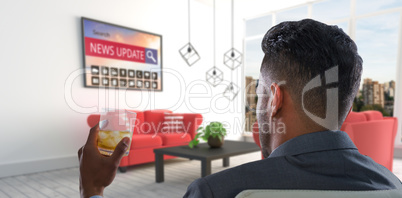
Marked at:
<point>309,76</point>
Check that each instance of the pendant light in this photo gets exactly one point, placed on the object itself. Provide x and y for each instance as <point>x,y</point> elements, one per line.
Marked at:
<point>214,76</point>
<point>232,59</point>
<point>188,52</point>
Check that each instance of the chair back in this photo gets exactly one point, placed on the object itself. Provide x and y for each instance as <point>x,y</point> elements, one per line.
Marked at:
<point>256,134</point>
<point>319,193</point>
<point>373,115</point>
<point>373,134</point>
<point>375,139</point>
<point>356,117</point>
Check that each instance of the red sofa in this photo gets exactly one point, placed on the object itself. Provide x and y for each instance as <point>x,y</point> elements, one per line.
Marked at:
<point>373,134</point>
<point>151,131</point>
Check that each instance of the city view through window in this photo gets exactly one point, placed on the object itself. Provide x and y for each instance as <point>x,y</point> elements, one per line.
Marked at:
<point>373,25</point>
<point>376,96</point>
<point>376,38</point>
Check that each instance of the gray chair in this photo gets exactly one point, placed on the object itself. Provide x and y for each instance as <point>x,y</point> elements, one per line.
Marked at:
<point>319,193</point>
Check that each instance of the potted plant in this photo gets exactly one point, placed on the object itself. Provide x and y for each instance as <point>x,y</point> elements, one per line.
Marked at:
<point>213,133</point>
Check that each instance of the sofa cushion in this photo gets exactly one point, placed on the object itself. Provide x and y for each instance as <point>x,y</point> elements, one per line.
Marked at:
<point>143,141</point>
<point>153,120</point>
<point>373,115</point>
<point>138,121</point>
<point>169,139</point>
<point>355,117</point>
<point>172,123</point>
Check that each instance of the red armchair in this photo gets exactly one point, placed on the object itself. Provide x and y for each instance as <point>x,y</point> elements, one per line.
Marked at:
<point>256,136</point>
<point>149,134</point>
<point>373,134</point>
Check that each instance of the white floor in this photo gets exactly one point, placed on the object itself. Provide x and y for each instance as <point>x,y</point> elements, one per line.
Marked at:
<point>138,181</point>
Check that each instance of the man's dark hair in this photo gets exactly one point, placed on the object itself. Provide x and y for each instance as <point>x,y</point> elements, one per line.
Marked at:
<point>298,51</point>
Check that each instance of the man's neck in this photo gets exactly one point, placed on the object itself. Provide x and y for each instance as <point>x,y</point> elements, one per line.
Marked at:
<point>293,130</point>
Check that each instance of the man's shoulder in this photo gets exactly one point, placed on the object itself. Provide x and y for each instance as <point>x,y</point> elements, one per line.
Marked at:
<point>232,181</point>
<point>199,188</point>
<point>259,167</point>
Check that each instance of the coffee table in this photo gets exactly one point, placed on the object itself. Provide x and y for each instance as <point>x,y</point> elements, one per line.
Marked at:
<point>203,153</point>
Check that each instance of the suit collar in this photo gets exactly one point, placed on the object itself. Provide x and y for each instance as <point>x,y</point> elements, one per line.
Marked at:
<point>314,142</point>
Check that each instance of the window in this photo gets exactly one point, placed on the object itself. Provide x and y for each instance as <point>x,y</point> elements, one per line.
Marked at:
<point>292,14</point>
<point>374,26</point>
<point>369,6</point>
<point>253,55</point>
<point>331,10</point>
<point>258,26</point>
<point>253,58</point>
<point>376,38</point>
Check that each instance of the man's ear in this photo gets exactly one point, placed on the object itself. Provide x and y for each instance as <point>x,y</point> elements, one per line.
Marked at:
<point>277,98</point>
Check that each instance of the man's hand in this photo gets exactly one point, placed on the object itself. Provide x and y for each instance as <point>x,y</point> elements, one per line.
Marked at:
<point>98,171</point>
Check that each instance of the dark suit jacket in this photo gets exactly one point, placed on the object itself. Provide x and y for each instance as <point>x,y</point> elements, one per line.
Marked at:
<point>325,160</point>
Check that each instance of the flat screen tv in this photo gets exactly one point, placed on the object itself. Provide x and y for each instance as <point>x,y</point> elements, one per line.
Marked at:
<point>121,57</point>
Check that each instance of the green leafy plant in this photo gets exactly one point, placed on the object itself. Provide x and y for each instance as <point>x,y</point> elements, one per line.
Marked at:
<point>214,130</point>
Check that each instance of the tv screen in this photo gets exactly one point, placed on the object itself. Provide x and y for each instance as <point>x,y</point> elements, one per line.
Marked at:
<point>121,57</point>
